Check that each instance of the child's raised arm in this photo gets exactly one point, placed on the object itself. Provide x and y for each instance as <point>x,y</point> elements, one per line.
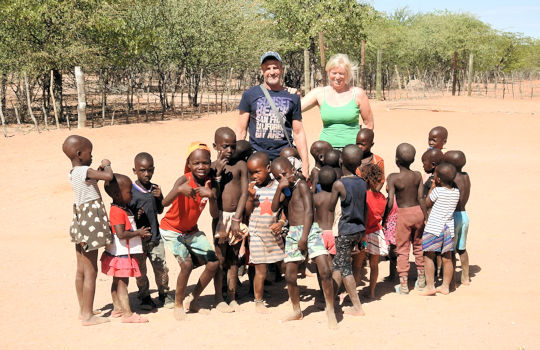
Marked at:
<point>104,172</point>
<point>279,196</point>
<point>338,191</point>
<point>181,186</point>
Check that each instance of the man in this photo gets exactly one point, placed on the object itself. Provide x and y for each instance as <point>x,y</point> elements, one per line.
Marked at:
<point>266,132</point>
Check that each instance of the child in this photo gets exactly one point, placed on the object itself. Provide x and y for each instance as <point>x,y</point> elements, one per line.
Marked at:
<point>461,219</point>
<point>430,159</point>
<point>146,201</point>
<point>292,155</point>
<point>406,187</point>
<point>120,257</point>
<point>332,158</point>
<point>437,138</point>
<point>351,190</point>
<point>376,244</point>
<point>243,151</point>
<point>179,229</point>
<point>304,236</point>
<point>87,235</point>
<point>364,140</point>
<point>265,243</point>
<point>439,231</point>
<point>321,201</point>
<point>318,150</point>
<point>232,184</point>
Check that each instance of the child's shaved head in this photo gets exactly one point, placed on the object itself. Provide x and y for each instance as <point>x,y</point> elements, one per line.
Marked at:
<point>437,137</point>
<point>224,133</point>
<point>260,157</point>
<point>143,156</point>
<point>243,150</point>
<point>366,135</point>
<point>114,186</point>
<point>289,152</point>
<point>405,153</point>
<point>351,157</point>
<point>431,158</point>
<point>74,143</point>
<point>456,158</point>
<point>280,163</point>
<point>319,148</point>
<point>332,157</point>
<point>446,172</point>
<point>327,177</point>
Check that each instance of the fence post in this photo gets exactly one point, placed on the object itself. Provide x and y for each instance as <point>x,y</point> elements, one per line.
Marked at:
<point>378,79</point>
<point>469,74</point>
<point>28,103</point>
<point>454,74</point>
<point>51,87</point>
<point>81,98</point>
<point>307,85</point>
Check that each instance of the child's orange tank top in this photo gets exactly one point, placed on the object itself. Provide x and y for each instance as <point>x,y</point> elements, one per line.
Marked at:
<point>184,212</point>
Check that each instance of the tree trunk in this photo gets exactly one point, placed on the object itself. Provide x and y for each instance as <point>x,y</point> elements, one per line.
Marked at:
<point>379,75</point>
<point>81,98</point>
<point>29,104</point>
<point>307,85</point>
<point>51,93</point>
<point>57,92</point>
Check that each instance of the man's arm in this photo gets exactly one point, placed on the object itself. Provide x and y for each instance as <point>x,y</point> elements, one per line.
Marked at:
<point>242,125</point>
<point>365,109</point>
<point>299,136</point>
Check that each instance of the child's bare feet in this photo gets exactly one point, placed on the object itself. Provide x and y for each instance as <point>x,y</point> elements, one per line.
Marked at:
<point>443,290</point>
<point>429,292</point>
<point>95,312</point>
<point>465,281</point>
<point>260,307</point>
<point>332,322</point>
<point>179,313</point>
<point>224,308</point>
<point>351,310</point>
<point>294,316</point>
<point>117,313</point>
<point>191,304</point>
<point>235,306</point>
<point>134,318</point>
<point>94,320</point>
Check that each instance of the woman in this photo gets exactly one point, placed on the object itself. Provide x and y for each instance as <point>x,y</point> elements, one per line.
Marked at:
<point>341,105</point>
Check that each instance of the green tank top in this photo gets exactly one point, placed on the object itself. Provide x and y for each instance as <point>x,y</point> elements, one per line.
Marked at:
<point>340,124</point>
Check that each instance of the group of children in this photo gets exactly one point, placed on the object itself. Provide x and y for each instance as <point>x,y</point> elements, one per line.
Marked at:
<point>267,213</point>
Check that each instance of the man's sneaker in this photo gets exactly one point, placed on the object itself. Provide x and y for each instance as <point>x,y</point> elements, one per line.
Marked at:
<point>166,300</point>
<point>147,303</point>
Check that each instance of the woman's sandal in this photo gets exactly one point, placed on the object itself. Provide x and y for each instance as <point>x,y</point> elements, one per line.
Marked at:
<point>134,318</point>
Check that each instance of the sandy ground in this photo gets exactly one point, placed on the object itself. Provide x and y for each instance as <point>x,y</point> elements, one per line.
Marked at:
<point>499,310</point>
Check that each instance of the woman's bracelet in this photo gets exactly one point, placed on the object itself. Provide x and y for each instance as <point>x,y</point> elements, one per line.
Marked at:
<point>236,219</point>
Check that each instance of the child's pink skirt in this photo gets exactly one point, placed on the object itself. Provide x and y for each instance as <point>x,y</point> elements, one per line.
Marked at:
<point>119,266</point>
<point>389,228</point>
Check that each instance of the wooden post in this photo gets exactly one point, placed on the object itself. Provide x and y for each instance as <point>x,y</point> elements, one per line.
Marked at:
<point>363,66</point>
<point>504,85</point>
<point>398,80</point>
<point>51,87</point>
<point>182,80</point>
<point>229,91</point>
<point>216,90</point>
<point>112,117</point>
<point>530,79</point>
<point>307,75</point>
<point>3,119</point>
<point>81,98</point>
<point>513,96</point>
<point>28,103</point>
<point>378,79</point>
<point>147,103</point>
<point>469,74</point>
<point>207,96</point>
<point>17,116</point>
<point>103,95</point>
<point>454,74</point>
<point>323,61</point>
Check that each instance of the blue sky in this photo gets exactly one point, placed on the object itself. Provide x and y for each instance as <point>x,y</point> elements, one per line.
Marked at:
<point>521,16</point>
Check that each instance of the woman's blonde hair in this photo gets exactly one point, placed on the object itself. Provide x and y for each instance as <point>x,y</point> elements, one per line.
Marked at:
<point>343,61</point>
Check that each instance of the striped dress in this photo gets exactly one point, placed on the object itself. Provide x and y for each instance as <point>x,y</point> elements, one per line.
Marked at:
<point>264,246</point>
<point>442,213</point>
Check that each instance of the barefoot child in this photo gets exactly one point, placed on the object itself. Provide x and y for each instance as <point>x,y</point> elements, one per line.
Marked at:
<point>364,140</point>
<point>406,187</point>
<point>120,259</point>
<point>332,158</point>
<point>265,242</point>
<point>437,138</point>
<point>293,156</point>
<point>439,231</point>
<point>430,159</point>
<point>146,205</point>
<point>304,237</point>
<point>232,184</point>
<point>318,150</point>
<point>324,217</point>
<point>461,219</point>
<point>87,235</point>
<point>351,190</point>
<point>376,244</point>
<point>179,229</point>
